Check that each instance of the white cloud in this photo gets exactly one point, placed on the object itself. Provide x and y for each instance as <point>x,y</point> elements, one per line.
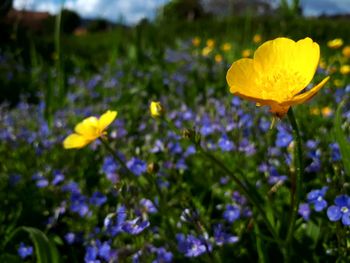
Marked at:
<point>131,10</point>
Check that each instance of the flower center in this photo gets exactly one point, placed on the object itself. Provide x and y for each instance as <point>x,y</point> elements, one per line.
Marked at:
<point>320,198</point>
<point>344,209</point>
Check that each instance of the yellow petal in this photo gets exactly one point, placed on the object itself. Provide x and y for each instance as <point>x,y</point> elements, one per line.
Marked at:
<point>240,78</point>
<point>75,141</point>
<point>285,67</point>
<point>106,119</point>
<point>303,97</point>
<point>88,128</point>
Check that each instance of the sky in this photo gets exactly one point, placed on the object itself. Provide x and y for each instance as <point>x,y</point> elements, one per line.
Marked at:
<point>132,11</point>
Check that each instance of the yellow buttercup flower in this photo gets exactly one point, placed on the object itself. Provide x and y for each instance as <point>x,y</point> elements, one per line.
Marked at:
<point>346,51</point>
<point>257,38</point>
<point>156,109</point>
<point>89,130</point>
<point>210,43</point>
<point>206,51</point>
<point>246,53</point>
<point>218,58</point>
<point>345,69</point>
<point>280,70</point>
<point>226,47</point>
<point>335,43</point>
<point>196,41</point>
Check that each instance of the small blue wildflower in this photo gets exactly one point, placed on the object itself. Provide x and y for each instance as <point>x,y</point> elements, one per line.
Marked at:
<point>79,205</point>
<point>70,238</point>
<point>24,251</point>
<point>225,144</point>
<point>316,197</point>
<point>231,213</point>
<point>304,211</point>
<point>341,210</point>
<point>336,156</point>
<point>284,138</point>
<point>137,166</point>
<point>163,256</point>
<point>148,206</point>
<point>91,254</point>
<point>135,226</point>
<point>192,246</point>
<point>98,199</point>
<point>57,178</point>
<point>221,237</point>
<point>104,251</point>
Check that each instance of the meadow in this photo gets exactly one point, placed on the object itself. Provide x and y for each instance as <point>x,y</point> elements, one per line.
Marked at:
<point>199,175</point>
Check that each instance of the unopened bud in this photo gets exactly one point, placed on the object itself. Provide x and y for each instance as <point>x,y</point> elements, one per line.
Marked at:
<point>156,109</point>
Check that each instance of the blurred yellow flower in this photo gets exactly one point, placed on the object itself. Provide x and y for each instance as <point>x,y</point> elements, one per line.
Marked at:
<point>206,51</point>
<point>335,43</point>
<point>89,130</point>
<point>326,111</point>
<point>338,83</point>
<point>346,51</point>
<point>345,69</point>
<point>315,111</point>
<point>210,43</point>
<point>322,64</point>
<point>226,47</point>
<point>156,109</point>
<point>196,41</point>
<point>247,53</point>
<point>280,70</point>
<point>218,58</point>
<point>257,38</point>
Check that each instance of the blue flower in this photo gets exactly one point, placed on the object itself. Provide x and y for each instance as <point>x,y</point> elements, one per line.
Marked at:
<point>316,197</point>
<point>335,152</point>
<point>341,210</point>
<point>98,199</point>
<point>284,138</point>
<point>104,251</point>
<point>148,206</point>
<point>163,256</point>
<point>58,177</point>
<point>304,211</point>
<point>24,251</point>
<point>135,226</point>
<point>225,144</point>
<point>137,166</point>
<point>221,237</point>
<point>192,246</point>
<point>70,238</point>
<point>231,213</point>
<point>91,254</point>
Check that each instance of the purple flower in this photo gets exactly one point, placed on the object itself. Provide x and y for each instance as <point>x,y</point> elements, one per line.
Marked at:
<point>316,197</point>
<point>221,237</point>
<point>341,210</point>
<point>304,211</point>
<point>104,251</point>
<point>58,177</point>
<point>148,206</point>
<point>192,246</point>
<point>231,213</point>
<point>91,254</point>
<point>284,138</point>
<point>98,199</point>
<point>225,144</point>
<point>163,256</point>
<point>137,166</point>
<point>135,226</point>
<point>24,251</point>
<point>79,205</point>
<point>70,238</point>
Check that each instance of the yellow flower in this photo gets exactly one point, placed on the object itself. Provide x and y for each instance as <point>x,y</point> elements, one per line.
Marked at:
<point>257,38</point>
<point>210,43</point>
<point>226,47</point>
<point>280,70</point>
<point>335,43</point>
<point>346,51</point>
<point>89,130</point>
<point>345,69</point>
<point>326,111</point>
<point>247,53</point>
<point>156,109</point>
<point>206,51</point>
<point>218,58</point>
<point>196,41</point>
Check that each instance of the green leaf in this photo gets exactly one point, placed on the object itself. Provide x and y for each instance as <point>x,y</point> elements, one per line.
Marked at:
<point>341,139</point>
<point>45,249</point>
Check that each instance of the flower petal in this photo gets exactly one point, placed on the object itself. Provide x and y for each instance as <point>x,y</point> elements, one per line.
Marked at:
<point>75,141</point>
<point>106,119</point>
<point>88,128</point>
<point>346,219</point>
<point>334,213</point>
<point>240,78</point>
<point>342,200</point>
<point>303,97</point>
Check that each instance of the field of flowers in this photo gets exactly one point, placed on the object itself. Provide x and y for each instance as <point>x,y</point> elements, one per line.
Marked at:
<point>175,167</point>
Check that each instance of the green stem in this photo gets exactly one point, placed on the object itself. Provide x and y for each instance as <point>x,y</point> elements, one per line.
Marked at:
<point>296,189</point>
<point>250,197</point>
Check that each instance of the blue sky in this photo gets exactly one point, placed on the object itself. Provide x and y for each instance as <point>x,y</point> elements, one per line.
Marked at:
<point>131,11</point>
